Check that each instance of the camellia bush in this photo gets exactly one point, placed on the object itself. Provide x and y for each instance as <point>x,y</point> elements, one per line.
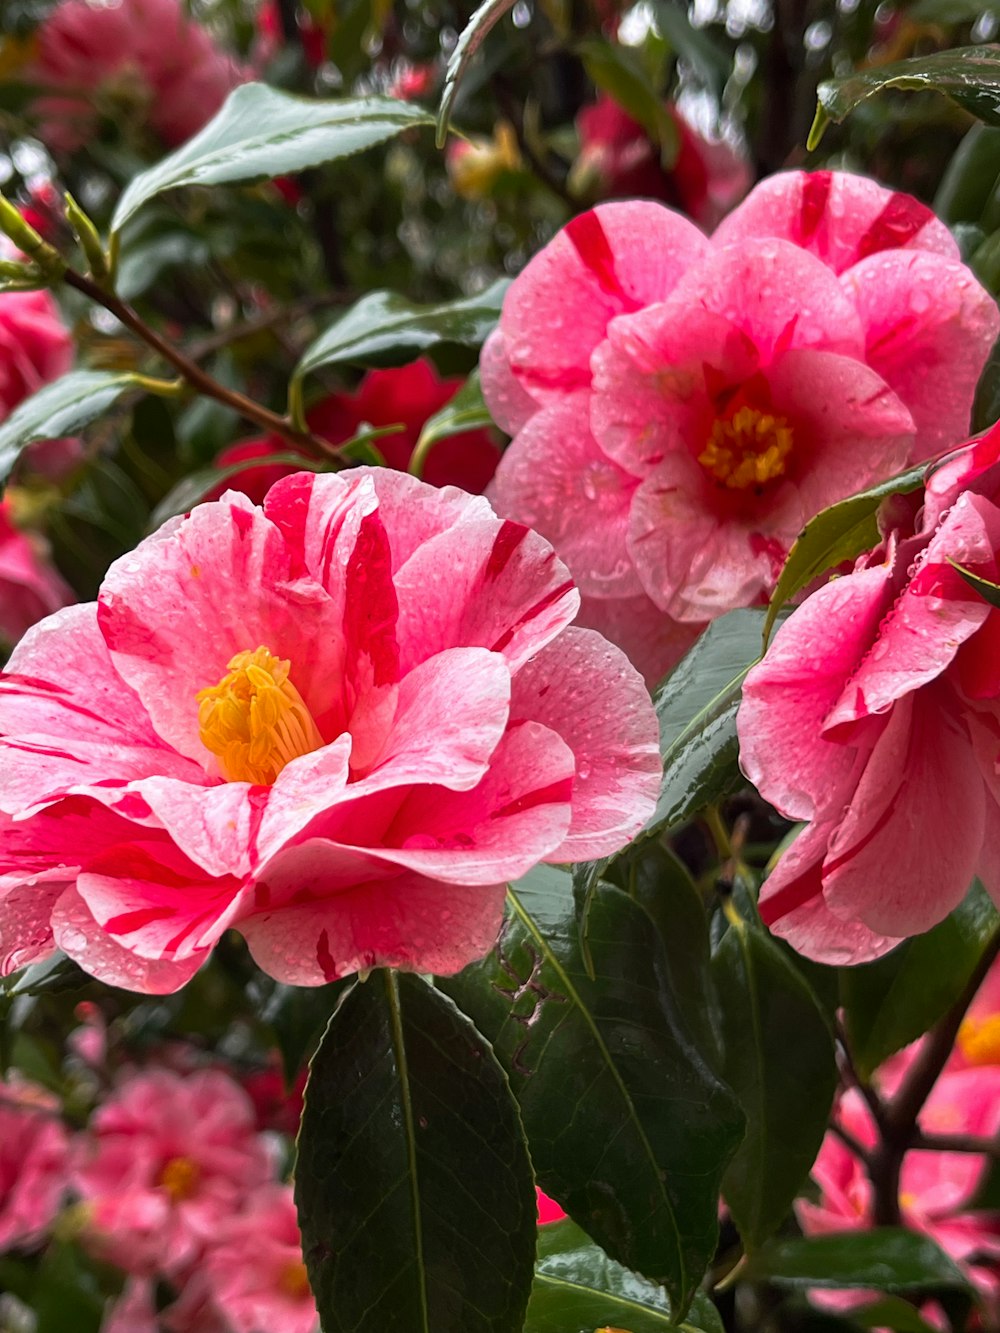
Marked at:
<point>500,731</point>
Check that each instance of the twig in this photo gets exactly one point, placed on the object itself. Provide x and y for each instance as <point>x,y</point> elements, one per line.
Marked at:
<point>955,1143</point>
<point>193,374</point>
<point>850,1142</point>
<point>899,1127</point>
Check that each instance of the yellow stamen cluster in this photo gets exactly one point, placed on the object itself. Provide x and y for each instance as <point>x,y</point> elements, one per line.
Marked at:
<point>747,449</point>
<point>294,1280</point>
<point>179,1178</point>
<point>255,720</point>
<point>979,1040</point>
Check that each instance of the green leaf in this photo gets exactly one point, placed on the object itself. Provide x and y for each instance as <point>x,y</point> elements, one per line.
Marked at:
<point>629,1127</point>
<point>693,44</point>
<point>887,1258</point>
<point>779,1060</point>
<point>697,705</point>
<point>990,592</point>
<point>617,71</point>
<point>261,132</point>
<point>64,407</point>
<point>298,1015</point>
<point>839,533</point>
<point>986,404</point>
<point>466,411</point>
<point>475,32</point>
<point>578,1288</point>
<point>969,75</point>
<point>414,1187</point>
<point>53,974</point>
<point>970,180</point>
<point>892,1312</point>
<point>891,1002</point>
<point>384,328</point>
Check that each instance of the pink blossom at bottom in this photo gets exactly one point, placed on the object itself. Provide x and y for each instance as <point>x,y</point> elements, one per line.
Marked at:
<point>254,1270</point>
<point>340,723</point>
<point>936,1188</point>
<point>34,1157</point>
<point>168,1160</point>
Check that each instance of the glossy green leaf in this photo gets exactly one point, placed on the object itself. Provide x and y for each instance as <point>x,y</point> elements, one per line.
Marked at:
<point>62,408</point>
<point>261,132</point>
<point>697,705</point>
<point>779,1060</point>
<point>466,411</point>
<point>887,1258</point>
<point>618,71</point>
<point>889,1003</point>
<point>970,180</point>
<point>986,404</point>
<point>413,1184</point>
<point>839,533</point>
<point>53,974</point>
<point>629,1127</point>
<point>990,592</point>
<point>577,1289</point>
<point>658,881</point>
<point>383,328</point>
<point>475,32</point>
<point>969,75</point>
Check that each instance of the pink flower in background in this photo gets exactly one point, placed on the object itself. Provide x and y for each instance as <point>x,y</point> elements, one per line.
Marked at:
<point>254,1269</point>
<point>35,346</point>
<point>30,587</point>
<point>34,1153</point>
<point>340,723</point>
<point>548,1209</point>
<point>936,1190</point>
<point>311,35</point>
<point>681,406</point>
<point>404,395</point>
<point>618,160</point>
<point>410,82</point>
<point>978,1041</point>
<point>167,1161</point>
<point>875,715</point>
<point>147,54</point>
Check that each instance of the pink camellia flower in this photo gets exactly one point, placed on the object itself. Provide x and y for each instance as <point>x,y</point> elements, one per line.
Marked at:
<point>34,1151</point>
<point>148,55</point>
<point>404,395</point>
<point>168,1160</point>
<point>978,1040</point>
<point>936,1188</point>
<point>254,1271</point>
<point>340,723</point>
<point>618,160</point>
<point>35,346</point>
<point>30,587</point>
<point>875,715</point>
<point>548,1209</point>
<point>682,406</point>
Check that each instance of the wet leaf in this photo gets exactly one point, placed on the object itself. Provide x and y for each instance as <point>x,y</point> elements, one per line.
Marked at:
<point>886,1258</point>
<point>414,1188</point>
<point>261,132</point>
<point>475,32</point>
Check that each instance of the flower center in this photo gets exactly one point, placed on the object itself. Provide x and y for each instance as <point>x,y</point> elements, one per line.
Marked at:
<point>179,1178</point>
<point>747,449</point>
<point>979,1040</point>
<point>294,1280</point>
<point>255,720</point>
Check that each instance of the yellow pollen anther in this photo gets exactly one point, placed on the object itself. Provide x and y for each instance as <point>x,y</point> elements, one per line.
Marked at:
<point>747,449</point>
<point>255,720</point>
<point>294,1280</point>
<point>179,1178</point>
<point>979,1040</point>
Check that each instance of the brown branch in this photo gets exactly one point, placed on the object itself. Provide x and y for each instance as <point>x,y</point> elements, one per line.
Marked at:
<point>193,374</point>
<point>955,1143</point>
<point>850,1142</point>
<point>899,1129</point>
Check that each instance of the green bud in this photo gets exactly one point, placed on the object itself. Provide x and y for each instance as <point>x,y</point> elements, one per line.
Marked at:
<point>89,237</point>
<point>49,262</point>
